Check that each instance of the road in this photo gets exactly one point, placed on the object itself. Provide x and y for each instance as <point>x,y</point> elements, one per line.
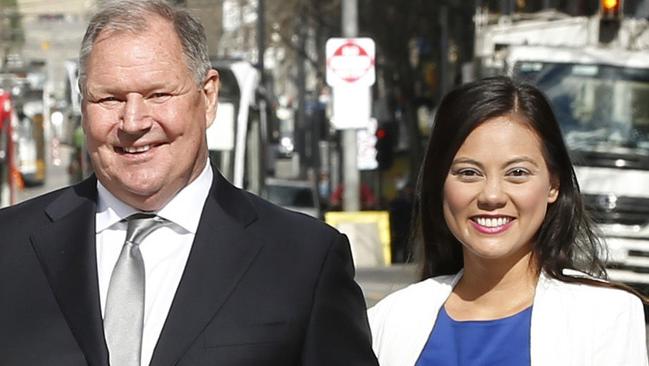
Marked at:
<point>380,281</point>
<point>57,176</point>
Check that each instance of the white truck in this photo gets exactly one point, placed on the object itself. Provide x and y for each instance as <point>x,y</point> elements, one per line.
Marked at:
<point>595,71</point>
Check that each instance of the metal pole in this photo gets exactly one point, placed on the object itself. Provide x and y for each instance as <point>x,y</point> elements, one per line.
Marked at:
<point>504,7</point>
<point>262,93</point>
<point>351,174</point>
<point>443,64</point>
<point>546,4</point>
<point>300,125</point>
<point>261,39</point>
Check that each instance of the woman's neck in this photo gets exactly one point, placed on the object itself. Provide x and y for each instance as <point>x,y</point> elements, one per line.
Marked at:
<point>493,289</point>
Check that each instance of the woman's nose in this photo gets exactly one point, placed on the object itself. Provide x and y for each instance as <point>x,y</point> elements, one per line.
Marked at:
<point>492,195</point>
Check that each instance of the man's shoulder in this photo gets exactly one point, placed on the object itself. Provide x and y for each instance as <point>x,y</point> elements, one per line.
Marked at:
<point>272,215</point>
<point>31,205</point>
<point>33,209</point>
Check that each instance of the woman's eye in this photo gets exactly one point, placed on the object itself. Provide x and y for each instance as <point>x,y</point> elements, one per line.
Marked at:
<point>519,172</point>
<point>467,173</point>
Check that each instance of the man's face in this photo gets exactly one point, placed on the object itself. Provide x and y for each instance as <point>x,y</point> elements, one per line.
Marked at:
<point>145,116</point>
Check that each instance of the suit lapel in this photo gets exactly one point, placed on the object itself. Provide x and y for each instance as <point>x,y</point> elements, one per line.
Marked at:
<point>221,253</point>
<point>66,250</point>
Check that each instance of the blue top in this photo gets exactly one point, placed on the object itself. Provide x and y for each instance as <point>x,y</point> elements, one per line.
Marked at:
<point>502,342</point>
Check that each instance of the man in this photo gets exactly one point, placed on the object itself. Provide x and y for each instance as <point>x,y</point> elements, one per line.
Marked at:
<point>222,278</point>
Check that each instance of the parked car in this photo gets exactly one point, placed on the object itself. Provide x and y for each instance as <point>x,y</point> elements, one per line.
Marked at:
<point>296,195</point>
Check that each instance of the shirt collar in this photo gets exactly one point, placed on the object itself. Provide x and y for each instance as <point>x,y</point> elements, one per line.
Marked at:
<point>184,209</point>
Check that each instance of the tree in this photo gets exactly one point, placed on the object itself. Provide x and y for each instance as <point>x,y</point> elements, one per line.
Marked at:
<point>12,37</point>
<point>408,38</point>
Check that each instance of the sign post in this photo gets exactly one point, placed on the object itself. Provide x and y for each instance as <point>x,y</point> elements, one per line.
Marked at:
<point>351,73</point>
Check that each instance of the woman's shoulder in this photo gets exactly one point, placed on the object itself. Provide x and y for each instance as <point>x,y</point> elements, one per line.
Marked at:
<point>588,321</point>
<point>402,321</point>
<point>599,293</point>
<point>412,296</point>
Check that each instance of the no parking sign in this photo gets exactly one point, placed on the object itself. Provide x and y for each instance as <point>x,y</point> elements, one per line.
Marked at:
<point>351,72</point>
<point>350,61</point>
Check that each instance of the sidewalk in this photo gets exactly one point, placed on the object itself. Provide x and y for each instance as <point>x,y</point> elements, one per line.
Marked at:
<point>377,282</point>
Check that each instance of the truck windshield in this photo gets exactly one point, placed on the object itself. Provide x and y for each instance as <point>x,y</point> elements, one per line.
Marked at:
<point>602,110</point>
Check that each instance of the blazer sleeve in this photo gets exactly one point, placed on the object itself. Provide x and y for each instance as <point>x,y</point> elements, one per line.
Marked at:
<point>338,331</point>
<point>624,341</point>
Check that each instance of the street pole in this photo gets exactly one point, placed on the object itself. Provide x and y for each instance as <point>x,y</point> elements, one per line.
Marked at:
<point>546,4</point>
<point>443,64</point>
<point>300,122</point>
<point>262,94</point>
<point>351,175</point>
<point>261,39</point>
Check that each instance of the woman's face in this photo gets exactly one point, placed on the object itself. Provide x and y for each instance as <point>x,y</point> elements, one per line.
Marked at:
<point>497,190</point>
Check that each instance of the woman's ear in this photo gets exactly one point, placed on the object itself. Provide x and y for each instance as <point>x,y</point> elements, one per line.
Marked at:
<point>553,194</point>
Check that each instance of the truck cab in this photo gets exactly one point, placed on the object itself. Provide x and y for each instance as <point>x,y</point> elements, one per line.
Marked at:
<point>600,102</point>
<point>598,87</point>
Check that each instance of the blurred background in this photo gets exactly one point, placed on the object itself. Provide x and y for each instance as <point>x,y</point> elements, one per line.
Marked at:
<point>274,134</point>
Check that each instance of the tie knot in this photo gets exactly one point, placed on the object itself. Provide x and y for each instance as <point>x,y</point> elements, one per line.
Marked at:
<point>142,224</point>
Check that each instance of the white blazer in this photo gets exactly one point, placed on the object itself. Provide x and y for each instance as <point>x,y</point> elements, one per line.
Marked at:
<point>572,324</point>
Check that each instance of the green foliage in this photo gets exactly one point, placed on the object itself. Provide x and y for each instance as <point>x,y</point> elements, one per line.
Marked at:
<point>11,31</point>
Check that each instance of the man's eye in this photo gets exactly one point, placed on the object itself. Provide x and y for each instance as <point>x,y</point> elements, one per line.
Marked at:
<point>106,100</point>
<point>159,97</point>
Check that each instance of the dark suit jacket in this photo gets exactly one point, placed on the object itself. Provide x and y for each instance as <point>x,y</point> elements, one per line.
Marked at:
<point>262,286</point>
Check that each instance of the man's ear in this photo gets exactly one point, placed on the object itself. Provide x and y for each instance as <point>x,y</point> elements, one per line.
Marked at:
<point>211,95</point>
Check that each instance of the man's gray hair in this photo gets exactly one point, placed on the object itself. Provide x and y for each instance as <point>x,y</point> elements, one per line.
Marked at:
<point>133,16</point>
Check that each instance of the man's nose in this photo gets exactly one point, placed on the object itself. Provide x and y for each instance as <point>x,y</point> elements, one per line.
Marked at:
<point>493,194</point>
<point>135,115</point>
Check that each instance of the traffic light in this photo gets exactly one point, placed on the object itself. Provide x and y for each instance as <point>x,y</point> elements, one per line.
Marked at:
<point>384,146</point>
<point>609,20</point>
<point>611,8</point>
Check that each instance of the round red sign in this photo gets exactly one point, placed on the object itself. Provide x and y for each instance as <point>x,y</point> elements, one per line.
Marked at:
<point>350,62</point>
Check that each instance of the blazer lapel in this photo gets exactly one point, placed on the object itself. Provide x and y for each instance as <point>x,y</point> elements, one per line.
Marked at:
<point>66,250</point>
<point>221,253</point>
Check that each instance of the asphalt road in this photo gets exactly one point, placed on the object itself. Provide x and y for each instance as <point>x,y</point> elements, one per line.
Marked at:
<point>57,175</point>
<point>378,282</point>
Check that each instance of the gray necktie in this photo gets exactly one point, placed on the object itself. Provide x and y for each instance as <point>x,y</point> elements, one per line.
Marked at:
<point>124,315</point>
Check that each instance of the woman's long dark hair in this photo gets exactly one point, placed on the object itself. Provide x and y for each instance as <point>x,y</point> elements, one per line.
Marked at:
<point>565,239</point>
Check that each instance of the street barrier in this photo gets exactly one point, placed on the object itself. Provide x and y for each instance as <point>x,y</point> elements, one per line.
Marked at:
<point>368,233</point>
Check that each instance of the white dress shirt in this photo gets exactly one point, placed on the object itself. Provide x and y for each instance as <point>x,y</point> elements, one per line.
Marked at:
<point>165,251</point>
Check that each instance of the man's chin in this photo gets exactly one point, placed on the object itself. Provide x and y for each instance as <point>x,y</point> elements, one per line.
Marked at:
<point>145,198</point>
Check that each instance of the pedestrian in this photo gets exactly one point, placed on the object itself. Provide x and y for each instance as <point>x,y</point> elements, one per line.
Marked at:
<point>400,209</point>
<point>156,259</point>
<point>367,198</point>
<point>510,267</point>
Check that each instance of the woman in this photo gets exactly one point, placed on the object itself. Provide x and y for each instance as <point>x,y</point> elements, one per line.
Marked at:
<point>511,274</point>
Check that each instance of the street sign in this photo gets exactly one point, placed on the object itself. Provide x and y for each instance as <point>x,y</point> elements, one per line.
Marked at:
<point>352,107</point>
<point>366,152</point>
<point>351,72</point>
<point>350,61</point>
